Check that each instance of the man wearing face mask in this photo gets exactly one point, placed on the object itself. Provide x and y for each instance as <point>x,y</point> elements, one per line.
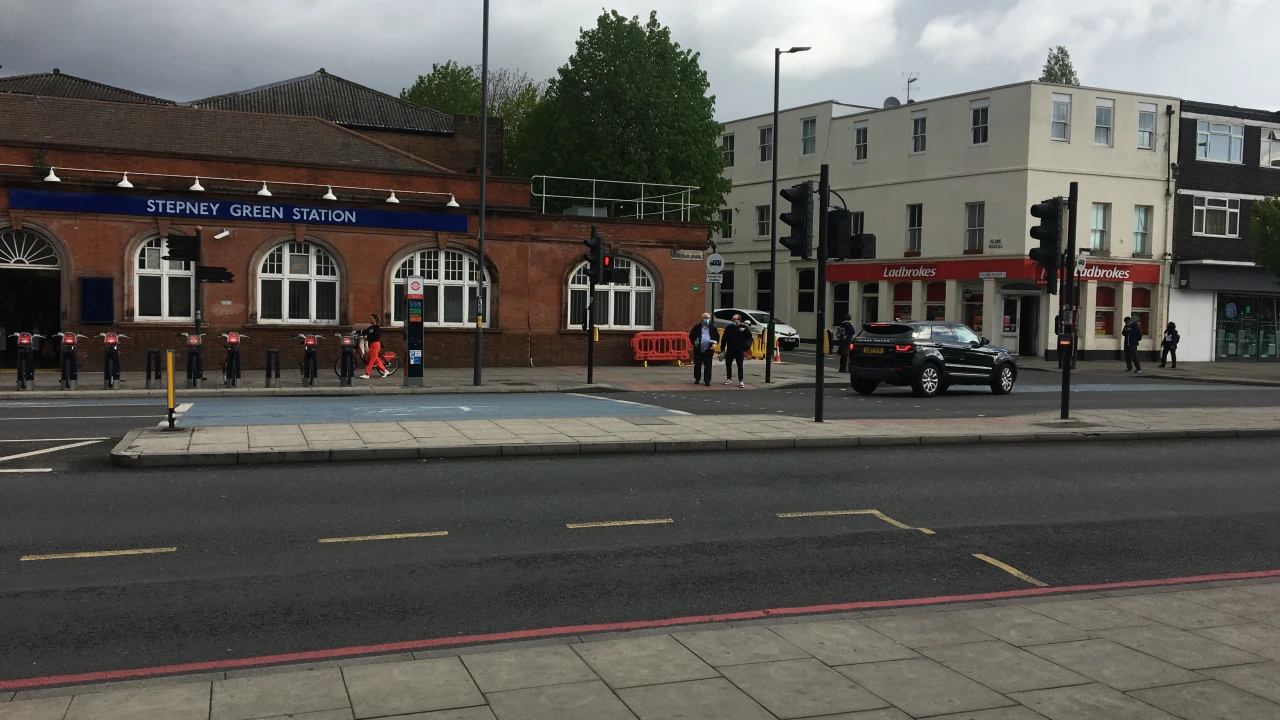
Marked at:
<point>737,343</point>
<point>703,338</point>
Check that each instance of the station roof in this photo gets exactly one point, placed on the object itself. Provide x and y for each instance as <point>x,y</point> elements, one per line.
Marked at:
<point>61,85</point>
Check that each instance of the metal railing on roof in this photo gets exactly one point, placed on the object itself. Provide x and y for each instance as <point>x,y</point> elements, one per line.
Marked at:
<point>620,198</point>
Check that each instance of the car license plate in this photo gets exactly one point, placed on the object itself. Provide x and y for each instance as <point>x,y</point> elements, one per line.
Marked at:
<point>873,351</point>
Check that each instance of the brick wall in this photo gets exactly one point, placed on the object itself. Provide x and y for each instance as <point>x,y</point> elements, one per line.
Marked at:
<point>459,152</point>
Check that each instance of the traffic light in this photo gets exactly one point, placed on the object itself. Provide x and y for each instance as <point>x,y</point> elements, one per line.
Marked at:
<point>800,241</point>
<point>1049,233</point>
<point>212,274</point>
<point>613,273</point>
<point>183,248</point>
<point>595,257</point>
<point>839,233</point>
<point>862,246</point>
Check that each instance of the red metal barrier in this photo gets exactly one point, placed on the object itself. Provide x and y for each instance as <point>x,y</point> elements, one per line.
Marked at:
<point>661,346</point>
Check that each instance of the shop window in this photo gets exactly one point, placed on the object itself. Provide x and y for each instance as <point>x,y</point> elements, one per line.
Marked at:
<point>444,285</point>
<point>870,302</point>
<point>1246,328</point>
<point>971,306</point>
<point>1141,311</point>
<point>620,306</point>
<point>935,297</point>
<point>840,302</point>
<point>162,289</point>
<point>298,283</point>
<point>902,302</point>
<point>806,289</point>
<point>726,291</point>
<point>1104,314</point>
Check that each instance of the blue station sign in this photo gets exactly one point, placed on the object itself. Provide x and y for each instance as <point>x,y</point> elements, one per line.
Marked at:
<point>100,203</point>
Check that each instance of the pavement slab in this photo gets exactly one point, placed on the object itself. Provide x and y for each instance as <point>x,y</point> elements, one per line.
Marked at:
<point>1006,713</point>
<point>409,687</point>
<point>575,701</point>
<point>643,661</point>
<point>711,699</point>
<point>922,687</point>
<point>1209,700</point>
<point>176,702</point>
<point>1261,679</point>
<point>533,667</point>
<point>1180,647</point>
<point>737,646</point>
<point>918,631</point>
<point>254,697</point>
<point>1089,702</point>
<point>54,708</point>
<point>1258,638</point>
<point>1018,626</point>
<point>1116,665</point>
<point>843,643</point>
<point>1230,600</point>
<point>1169,609</point>
<point>800,688</point>
<point>1003,667</point>
<point>1087,614</point>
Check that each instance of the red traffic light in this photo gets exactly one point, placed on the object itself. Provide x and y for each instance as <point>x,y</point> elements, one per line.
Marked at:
<point>608,261</point>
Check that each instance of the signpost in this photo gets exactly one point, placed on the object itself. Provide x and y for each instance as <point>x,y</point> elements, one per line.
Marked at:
<point>715,274</point>
<point>413,330</point>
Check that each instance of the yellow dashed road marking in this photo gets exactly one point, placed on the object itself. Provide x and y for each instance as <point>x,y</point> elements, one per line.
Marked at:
<point>99,554</point>
<point>1011,570</point>
<point>618,523</point>
<point>873,513</point>
<point>396,536</point>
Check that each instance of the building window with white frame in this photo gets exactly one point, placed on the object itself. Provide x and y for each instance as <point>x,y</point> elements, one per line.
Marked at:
<point>1142,229</point>
<point>857,223</point>
<point>919,121</point>
<point>762,220</point>
<point>860,141</point>
<point>450,283</point>
<point>726,149</point>
<point>764,290</point>
<point>1060,125</point>
<point>975,217</point>
<point>978,118</point>
<point>1270,156</point>
<point>766,143</point>
<point>808,136</point>
<point>620,306</point>
<point>1219,142</point>
<point>806,287</point>
<point>1216,217</point>
<point>726,221</point>
<point>726,290</point>
<point>163,289</point>
<point>1099,238</point>
<point>1146,126</point>
<point>298,283</point>
<point>915,226</point>
<point>1104,111</point>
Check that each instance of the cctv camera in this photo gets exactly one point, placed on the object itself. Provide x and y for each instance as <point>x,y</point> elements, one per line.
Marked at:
<point>225,232</point>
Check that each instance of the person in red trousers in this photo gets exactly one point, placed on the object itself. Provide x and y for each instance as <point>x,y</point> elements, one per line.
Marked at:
<point>373,334</point>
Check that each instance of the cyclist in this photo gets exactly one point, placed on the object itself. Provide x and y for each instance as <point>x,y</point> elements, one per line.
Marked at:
<point>373,335</point>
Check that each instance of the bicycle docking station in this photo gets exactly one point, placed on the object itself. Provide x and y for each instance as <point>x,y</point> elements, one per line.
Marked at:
<point>111,361</point>
<point>273,368</point>
<point>309,367</point>
<point>413,331</point>
<point>347,363</point>
<point>26,360</point>
<point>231,365</point>
<point>67,361</point>
<point>195,362</point>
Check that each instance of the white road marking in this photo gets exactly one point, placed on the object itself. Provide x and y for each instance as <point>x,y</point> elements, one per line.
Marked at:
<point>52,439</point>
<point>628,402</point>
<point>49,450</point>
<point>25,470</point>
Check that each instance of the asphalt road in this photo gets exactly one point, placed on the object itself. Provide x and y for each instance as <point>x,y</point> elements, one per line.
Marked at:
<point>248,575</point>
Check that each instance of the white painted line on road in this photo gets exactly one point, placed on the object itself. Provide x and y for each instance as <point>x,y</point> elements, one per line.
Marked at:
<point>81,417</point>
<point>183,408</point>
<point>628,402</point>
<point>22,470</point>
<point>49,450</point>
<point>52,439</point>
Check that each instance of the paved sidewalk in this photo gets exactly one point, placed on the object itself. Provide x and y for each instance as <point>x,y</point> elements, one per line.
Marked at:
<point>252,444</point>
<point>1188,652</point>
<point>1231,373</point>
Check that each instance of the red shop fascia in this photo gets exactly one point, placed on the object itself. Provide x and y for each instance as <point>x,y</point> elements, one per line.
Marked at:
<point>998,269</point>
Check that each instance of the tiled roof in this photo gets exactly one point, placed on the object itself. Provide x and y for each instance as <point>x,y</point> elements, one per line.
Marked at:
<point>337,100</point>
<point>191,132</point>
<point>60,84</point>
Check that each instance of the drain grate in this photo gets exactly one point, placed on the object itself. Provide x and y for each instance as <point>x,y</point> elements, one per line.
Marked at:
<point>1068,424</point>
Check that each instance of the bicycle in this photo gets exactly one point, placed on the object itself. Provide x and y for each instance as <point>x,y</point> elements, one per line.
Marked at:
<point>390,359</point>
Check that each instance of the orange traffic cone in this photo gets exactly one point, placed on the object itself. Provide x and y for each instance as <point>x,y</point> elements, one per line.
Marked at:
<point>777,356</point>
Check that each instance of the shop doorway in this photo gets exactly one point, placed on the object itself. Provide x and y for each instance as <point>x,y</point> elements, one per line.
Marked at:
<point>30,295</point>
<point>1029,325</point>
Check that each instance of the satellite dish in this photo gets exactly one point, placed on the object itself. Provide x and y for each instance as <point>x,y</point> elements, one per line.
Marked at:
<point>892,102</point>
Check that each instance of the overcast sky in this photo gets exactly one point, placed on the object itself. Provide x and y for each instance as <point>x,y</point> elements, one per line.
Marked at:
<point>1207,50</point>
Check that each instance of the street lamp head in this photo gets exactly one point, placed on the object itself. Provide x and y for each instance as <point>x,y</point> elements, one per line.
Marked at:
<point>798,49</point>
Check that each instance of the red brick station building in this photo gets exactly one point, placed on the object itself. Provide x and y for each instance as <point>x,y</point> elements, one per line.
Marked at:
<point>321,196</point>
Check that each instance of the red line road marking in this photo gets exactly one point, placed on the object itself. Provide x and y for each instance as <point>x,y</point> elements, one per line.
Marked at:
<point>333,653</point>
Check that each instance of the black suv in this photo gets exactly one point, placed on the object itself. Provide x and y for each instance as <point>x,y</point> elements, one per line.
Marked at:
<point>928,356</point>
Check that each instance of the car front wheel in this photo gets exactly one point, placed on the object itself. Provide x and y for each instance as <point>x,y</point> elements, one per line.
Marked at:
<point>928,381</point>
<point>1002,383</point>
<point>864,387</point>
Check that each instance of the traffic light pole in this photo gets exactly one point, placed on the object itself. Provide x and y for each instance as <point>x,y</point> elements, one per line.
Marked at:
<point>1068,298</point>
<point>824,191</point>
<point>591,331</point>
<point>773,223</point>
<point>481,290</point>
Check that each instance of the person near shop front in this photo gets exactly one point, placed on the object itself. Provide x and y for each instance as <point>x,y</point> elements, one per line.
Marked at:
<point>736,343</point>
<point>1169,345</point>
<point>373,335</point>
<point>704,339</point>
<point>1132,334</point>
<point>844,341</point>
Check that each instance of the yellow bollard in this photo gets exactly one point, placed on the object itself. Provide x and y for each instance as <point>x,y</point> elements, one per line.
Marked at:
<point>169,376</point>
<point>595,332</point>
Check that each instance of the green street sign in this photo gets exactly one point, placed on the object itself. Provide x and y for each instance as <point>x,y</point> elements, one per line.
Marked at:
<point>696,288</point>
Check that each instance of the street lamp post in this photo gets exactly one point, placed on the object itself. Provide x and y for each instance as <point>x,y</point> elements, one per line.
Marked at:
<point>773,215</point>
<point>482,292</point>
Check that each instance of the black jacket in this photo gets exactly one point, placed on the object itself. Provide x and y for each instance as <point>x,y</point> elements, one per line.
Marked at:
<point>849,332</point>
<point>737,339</point>
<point>695,337</point>
<point>1170,342</point>
<point>373,333</point>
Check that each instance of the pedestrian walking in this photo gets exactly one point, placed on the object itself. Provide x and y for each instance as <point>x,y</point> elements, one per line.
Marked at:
<point>1132,336</point>
<point>844,341</point>
<point>704,341</point>
<point>1169,345</point>
<point>735,345</point>
<point>373,335</point>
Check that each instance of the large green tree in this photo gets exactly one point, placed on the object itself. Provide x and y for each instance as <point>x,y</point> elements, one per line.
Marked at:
<point>455,89</point>
<point>1265,228</point>
<point>629,105</point>
<point>1058,67</point>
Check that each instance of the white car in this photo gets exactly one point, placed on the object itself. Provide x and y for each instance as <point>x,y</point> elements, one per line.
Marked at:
<point>758,321</point>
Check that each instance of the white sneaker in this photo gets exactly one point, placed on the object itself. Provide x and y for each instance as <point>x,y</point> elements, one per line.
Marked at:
<point>384,373</point>
<point>741,384</point>
<point>364,377</point>
<point>729,381</point>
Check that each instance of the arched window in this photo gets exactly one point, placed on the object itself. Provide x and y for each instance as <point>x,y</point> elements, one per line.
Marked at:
<point>448,277</point>
<point>620,306</point>
<point>24,249</point>
<point>162,289</point>
<point>298,283</point>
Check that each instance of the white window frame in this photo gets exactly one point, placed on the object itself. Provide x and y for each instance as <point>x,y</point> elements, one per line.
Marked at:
<point>641,285</point>
<point>1203,204</point>
<point>1100,237</point>
<point>857,222</point>
<point>1147,137</point>
<point>1269,155</point>
<point>726,149</point>
<point>1104,122</point>
<point>975,221</point>
<point>1063,101</point>
<point>441,269</point>
<point>1206,131</point>
<point>915,232</point>
<point>154,249</point>
<point>763,226</point>
<point>979,122</point>
<point>1142,230</point>
<point>919,132</point>
<point>322,267</point>
<point>765,152</point>
<point>726,217</point>
<point>860,136</point>
<point>809,141</point>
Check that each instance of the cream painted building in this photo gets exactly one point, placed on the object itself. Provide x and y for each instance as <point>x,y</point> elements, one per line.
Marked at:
<point>946,185</point>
